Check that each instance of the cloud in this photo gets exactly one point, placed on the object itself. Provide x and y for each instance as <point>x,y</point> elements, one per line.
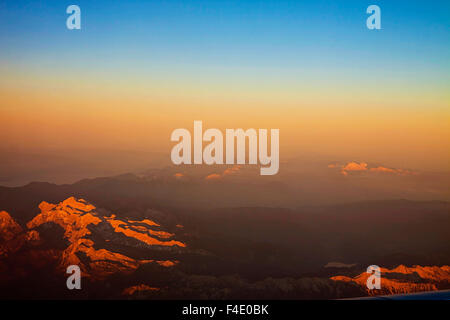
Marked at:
<point>383,169</point>
<point>213,176</point>
<point>363,167</point>
<point>353,166</point>
<point>402,172</point>
<point>229,171</point>
<point>233,170</point>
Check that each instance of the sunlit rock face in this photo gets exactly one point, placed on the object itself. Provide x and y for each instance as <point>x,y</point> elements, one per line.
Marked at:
<point>402,279</point>
<point>140,230</point>
<point>98,244</point>
<point>11,235</point>
<point>137,289</point>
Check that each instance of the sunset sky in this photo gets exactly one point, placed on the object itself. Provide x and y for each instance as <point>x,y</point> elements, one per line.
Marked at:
<point>138,70</point>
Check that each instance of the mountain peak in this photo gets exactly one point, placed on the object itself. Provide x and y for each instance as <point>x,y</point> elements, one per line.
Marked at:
<point>7,223</point>
<point>10,240</point>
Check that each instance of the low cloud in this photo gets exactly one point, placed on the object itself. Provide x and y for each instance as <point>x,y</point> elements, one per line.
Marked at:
<point>229,171</point>
<point>381,169</point>
<point>232,170</point>
<point>213,176</point>
<point>353,166</point>
<point>363,167</point>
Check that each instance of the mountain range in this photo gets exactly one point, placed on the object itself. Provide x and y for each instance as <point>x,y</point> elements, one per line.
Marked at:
<point>131,240</point>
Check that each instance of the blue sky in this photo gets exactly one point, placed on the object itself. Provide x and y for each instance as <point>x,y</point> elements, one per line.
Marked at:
<point>277,33</point>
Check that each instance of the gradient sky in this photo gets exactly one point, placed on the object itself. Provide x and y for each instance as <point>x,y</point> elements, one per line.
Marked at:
<point>138,70</point>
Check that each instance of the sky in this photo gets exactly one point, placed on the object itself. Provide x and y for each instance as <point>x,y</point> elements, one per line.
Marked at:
<point>138,70</point>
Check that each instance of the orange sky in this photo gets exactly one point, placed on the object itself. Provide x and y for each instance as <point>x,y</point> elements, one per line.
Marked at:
<point>392,126</point>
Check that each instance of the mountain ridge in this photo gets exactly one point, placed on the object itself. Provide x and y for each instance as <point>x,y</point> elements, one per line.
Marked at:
<point>79,220</point>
